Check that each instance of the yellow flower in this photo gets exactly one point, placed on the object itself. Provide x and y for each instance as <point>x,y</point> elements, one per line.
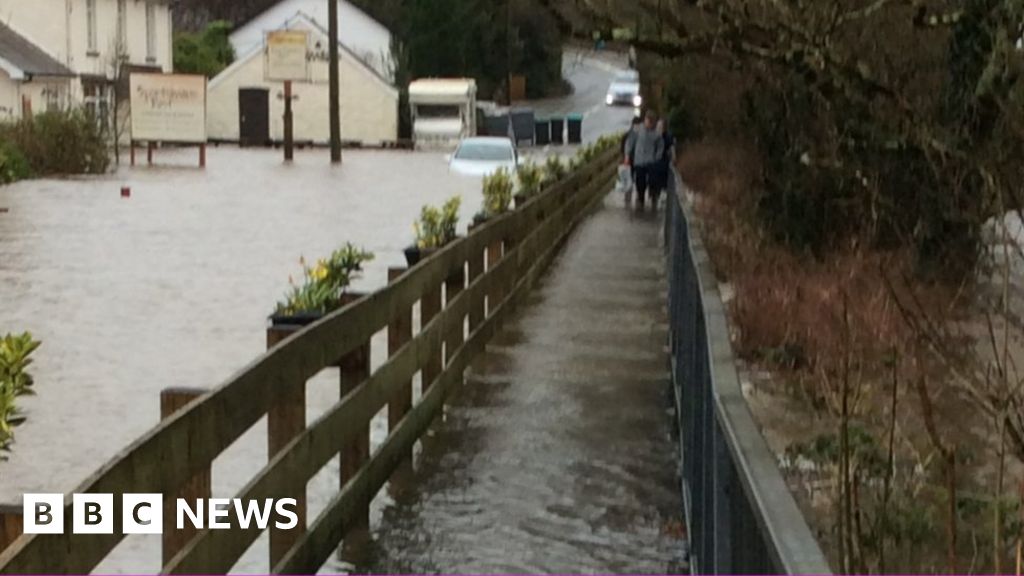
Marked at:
<point>320,272</point>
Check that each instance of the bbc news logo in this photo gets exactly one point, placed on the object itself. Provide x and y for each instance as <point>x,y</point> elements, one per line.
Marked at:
<point>144,513</point>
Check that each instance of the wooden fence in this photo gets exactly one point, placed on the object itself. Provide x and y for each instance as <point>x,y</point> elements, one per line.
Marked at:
<point>483,276</point>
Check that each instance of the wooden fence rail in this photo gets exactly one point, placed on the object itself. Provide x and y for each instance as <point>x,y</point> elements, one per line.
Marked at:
<point>181,449</point>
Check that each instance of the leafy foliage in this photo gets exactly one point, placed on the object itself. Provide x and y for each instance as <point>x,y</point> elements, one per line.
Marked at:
<point>208,52</point>
<point>324,283</point>
<point>530,178</point>
<point>554,170</point>
<point>15,381</point>
<point>13,165</point>
<point>497,193</point>
<point>57,143</point>
<point>437,227</point>
<point>444,38</point>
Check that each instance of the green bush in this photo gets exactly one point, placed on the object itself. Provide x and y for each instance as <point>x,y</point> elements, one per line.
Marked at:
<point>15,381</point>
<point>59,143</point>
<point>208,52</point>
<point>436,227</point>
<point>530,177</point>
<point>13,165</point>
<point>498,193</point>
<point>325,283</point>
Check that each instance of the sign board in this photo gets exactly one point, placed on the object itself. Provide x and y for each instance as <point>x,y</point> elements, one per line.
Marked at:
<point>287,55</point>
<point>168,108</point>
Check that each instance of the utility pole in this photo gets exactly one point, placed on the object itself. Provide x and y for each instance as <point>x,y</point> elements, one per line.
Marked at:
<point>508,49</point>
<point>335,86</point>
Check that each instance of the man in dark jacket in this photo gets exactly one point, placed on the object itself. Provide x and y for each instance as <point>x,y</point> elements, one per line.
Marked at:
<point>663,171</point>
<point>647,146</point>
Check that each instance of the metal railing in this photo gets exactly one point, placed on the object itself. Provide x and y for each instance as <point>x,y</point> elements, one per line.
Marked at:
<point>741,517</point>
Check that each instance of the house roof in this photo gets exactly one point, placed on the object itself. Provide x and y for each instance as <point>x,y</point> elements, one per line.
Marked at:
<point>314,27</point>
<point>20,58</point>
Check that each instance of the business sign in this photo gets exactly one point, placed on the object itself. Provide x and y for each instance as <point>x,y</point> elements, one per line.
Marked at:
<point>168,108</point>
<point>287,55</point>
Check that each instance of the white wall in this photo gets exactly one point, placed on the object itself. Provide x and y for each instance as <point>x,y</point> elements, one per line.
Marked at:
<point>369,106</point>
<point>10,102</point>
<point>60,27</point>
<point>366,37</point>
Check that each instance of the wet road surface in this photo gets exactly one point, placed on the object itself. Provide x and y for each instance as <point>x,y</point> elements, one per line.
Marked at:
<point>558,455</point>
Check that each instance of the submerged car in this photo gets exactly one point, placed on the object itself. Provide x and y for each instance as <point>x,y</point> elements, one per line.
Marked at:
<point>625,90</point>
<point>482,156</point>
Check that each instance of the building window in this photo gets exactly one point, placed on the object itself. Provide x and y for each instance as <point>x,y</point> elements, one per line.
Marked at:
<point>90,18</point>
<point>150,31</point>
<point>122,26</point>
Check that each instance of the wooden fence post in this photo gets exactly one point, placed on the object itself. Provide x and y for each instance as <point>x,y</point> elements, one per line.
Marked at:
<point>430,306</point>
<point>496,294</point>
<point>399,334</point>
<point>11,524</point>
<point>455,284</point>
<point>286,420</point>
<point>476,307</point>
<point>354,368</point>
<point>196,488</point>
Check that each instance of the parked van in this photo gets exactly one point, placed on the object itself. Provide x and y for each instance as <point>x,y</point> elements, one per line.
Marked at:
<point>443,111</point>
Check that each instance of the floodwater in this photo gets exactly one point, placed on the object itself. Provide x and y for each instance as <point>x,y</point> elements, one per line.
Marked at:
<point>171,288</point>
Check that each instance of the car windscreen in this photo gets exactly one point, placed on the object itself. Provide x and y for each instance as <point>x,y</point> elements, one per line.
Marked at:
<point>438,111</point>
<point>484,152</point>
<point>627,77</point>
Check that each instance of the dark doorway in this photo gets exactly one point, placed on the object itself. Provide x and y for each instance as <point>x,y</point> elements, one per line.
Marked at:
<point>253,117</point>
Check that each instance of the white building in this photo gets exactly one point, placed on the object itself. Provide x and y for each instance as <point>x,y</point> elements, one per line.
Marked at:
<point>243,106</point>
<point>60,53</point>
<point>362,36</point>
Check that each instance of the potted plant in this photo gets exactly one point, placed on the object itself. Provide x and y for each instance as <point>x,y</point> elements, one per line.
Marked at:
<point>497,191</point>
<point>322,289</point>
<point>434,229</point>
<point>529,176</point>
<point>554,170</point>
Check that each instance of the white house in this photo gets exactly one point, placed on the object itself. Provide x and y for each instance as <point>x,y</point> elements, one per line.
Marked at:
<point>243,106</point>
<point>60,53</point>
<point>363,36</point>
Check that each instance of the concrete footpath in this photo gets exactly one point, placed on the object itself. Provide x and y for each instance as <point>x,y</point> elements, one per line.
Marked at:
<point>559,456</point>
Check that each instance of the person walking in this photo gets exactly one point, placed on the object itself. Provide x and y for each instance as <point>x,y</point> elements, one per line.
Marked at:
<point>663,169</point>
<point>627,156</point>
<point>645,147</point>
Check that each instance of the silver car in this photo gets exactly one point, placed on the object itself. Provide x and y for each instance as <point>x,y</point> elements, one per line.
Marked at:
<point>625,90</point>
<point>483,156</point>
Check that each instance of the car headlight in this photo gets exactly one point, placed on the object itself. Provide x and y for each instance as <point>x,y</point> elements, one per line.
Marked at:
<point>638,101</point>
<point>609,99</point>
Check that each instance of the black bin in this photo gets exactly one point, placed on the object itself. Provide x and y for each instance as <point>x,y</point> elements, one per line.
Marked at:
<point>557,131</point>
<point>575,129</point>
<point>542,132</point>
<point>498,126</point>
<point>523,125</point>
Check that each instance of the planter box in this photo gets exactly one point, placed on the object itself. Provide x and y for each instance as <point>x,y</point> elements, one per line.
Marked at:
<point>300,319</point>
<point>414,254</point>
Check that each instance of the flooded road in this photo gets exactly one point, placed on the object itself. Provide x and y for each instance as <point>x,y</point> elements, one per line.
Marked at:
<point>172,287</point>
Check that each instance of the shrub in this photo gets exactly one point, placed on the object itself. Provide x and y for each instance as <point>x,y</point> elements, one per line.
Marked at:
<point>59,143</point>
<point>13,165</point>
<point>437,227</point>
<point>208,52</point>
<point>497,193</point>
<point>554,170</point>
<point>15,381</point>
<point>324,284</point>
<point>529,176</point>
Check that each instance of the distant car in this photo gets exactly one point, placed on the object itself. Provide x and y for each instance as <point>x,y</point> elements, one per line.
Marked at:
<point>484,156</point>
<point>625,90</point>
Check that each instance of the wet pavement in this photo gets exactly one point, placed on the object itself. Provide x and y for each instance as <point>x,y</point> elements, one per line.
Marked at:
<point>558,455</point>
